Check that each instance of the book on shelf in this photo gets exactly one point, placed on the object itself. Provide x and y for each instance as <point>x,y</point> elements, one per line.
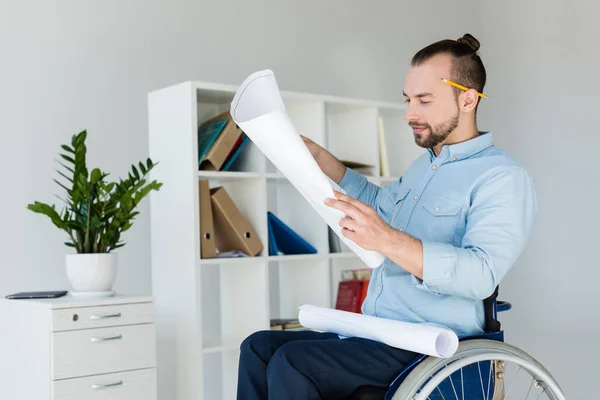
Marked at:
<point>220,142</point>
<point>286,324</point>
<point>383,154</point>
<point>352,290</point>
<point>284,240</point>
<point>224,231</point>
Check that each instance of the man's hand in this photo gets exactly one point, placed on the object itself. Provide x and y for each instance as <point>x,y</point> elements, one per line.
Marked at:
<point>365,227</point>
<point>362,224</point>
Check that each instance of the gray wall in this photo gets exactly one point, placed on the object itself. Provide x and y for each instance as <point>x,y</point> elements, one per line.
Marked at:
<point>542,58</point>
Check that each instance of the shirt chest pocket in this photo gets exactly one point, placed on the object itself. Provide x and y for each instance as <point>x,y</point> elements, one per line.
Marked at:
<point>439,217</point>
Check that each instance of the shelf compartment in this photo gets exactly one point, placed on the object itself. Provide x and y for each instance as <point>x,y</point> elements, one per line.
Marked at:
<point>296,282</point>
<point>232,303</point>
<point>248,196</point>
<point>286,202</point>
<point>220,375</point>
<point>210,103</point>
<point>352,134</point>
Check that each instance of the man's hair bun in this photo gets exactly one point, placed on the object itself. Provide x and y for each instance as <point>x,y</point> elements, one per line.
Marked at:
<point>470,41</point>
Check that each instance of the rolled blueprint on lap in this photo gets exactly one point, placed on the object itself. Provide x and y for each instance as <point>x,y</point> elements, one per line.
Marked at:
<point>258,109</point>
<point>430,339</point>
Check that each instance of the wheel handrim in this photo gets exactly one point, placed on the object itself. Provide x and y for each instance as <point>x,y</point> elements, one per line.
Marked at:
<point>540,377</point>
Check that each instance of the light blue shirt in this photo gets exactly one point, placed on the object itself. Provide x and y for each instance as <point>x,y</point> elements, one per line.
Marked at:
<point>473,207</point>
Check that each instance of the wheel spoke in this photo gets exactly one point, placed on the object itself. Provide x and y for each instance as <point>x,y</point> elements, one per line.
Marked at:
<point>530,386</point>
<point>439,390</point>
<point>481,380</point>
<point>462,384</point>
<point>512,383</point>
<point>487,396</point>
<point>541,393</point>
<point>453,388</point>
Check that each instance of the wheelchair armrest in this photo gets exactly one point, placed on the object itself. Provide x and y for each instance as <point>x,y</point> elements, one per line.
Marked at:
<point>503,306</point>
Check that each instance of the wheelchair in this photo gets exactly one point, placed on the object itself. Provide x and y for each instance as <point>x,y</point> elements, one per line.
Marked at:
<point>482,368</point>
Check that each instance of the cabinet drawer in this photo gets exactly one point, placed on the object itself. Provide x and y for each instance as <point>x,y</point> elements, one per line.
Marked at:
<point>104,350</point>
<point>130,385</point>
<point>101,316</point>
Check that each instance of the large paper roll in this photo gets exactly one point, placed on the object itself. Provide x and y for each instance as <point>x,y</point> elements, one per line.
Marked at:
<point>259,111</point>
<point>430,339</point>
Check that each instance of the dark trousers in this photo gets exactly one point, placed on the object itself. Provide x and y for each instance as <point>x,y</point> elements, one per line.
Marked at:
<point>312,365</point>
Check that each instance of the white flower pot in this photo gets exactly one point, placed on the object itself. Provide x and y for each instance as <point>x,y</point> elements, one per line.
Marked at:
<point>92,274</point>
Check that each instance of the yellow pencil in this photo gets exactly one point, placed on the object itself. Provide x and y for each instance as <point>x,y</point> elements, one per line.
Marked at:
<point>462,87</point>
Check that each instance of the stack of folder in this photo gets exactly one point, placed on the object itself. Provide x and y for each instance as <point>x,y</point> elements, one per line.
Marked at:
<point>223,228</point>
<point>220,142</point>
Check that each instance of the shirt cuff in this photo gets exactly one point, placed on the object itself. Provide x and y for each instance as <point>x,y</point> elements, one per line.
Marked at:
<point>439,261</point>
<point>353,183</point>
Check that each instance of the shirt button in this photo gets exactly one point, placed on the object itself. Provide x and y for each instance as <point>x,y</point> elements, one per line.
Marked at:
<point>434,167</point>
<point>401,229</point>
<point>436,209</point>
<point>453,158</point>
<point>416,197</point>
<point>378,287</point>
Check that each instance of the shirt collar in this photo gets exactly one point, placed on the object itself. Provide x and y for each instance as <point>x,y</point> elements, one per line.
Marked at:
<point>466,149</point>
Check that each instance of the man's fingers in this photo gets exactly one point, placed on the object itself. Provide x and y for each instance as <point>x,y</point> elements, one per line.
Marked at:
<point>348,223</point>
<point>347,208</point>
<point>356,203</point>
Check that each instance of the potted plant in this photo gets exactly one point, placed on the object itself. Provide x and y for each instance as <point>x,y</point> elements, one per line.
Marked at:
<point>96,214</point>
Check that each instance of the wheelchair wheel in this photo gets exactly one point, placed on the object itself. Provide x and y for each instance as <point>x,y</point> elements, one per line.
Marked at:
<point>480,369</point>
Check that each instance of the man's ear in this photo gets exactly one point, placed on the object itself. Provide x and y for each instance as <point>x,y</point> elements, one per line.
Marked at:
<point>469,100</point>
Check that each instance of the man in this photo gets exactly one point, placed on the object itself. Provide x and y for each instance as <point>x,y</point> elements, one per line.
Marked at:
<point>450,229</point>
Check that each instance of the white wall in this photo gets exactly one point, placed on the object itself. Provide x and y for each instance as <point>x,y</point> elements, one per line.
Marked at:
<point>70,65</point>
<point>542,58</point>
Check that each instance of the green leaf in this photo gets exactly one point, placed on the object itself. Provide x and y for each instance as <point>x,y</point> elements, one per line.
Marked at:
<point>70,244</point>
<point>62,186</point>
<point>95,176</point>
<point>49,211</point>
<point>66,157</point>
<point>67,168</point>
<point>142,168</point>
<point>67,148</point>
<point>95,222</point>
<point>135,172</point>
<point>64,176</point>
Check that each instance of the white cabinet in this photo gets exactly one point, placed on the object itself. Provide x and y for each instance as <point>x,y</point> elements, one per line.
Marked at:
<point>70,348</point>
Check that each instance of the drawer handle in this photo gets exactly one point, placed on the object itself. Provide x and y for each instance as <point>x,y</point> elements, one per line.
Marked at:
<point>104,339</point>
<point>96,317</point>
<point>107,385</point>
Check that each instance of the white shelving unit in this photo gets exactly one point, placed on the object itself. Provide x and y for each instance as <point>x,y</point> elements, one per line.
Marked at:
<point>206,307</point>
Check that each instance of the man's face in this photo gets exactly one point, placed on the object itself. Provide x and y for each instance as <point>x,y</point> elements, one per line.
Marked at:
<point>432,111</point>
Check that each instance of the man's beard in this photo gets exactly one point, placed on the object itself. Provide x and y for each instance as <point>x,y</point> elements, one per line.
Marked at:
<point>436,135</point>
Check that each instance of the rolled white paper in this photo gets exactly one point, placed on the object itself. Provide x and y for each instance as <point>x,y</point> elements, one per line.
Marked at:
<point>259,111</point>
<point>430,339</point>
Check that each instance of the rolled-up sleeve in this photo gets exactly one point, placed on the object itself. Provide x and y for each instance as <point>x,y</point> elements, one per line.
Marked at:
<point>499,221</point>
